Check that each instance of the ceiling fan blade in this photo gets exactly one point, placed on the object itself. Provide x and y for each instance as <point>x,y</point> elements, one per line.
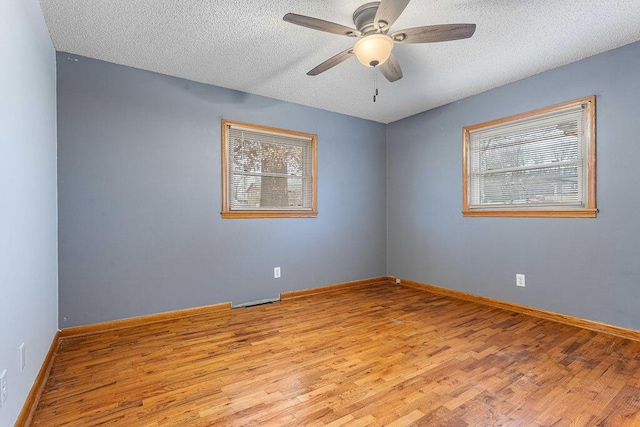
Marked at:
<point>434,33</point>
<point>391,69</point>
<point>388,12</point>
<point>331,62</point>
<point>320,25</point>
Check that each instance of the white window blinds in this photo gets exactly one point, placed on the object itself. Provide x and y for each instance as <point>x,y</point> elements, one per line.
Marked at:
<point>536,162</point>
<point>268,170</point>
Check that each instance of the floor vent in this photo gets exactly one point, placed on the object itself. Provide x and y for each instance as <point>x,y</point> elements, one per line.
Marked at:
<point>257,302</point>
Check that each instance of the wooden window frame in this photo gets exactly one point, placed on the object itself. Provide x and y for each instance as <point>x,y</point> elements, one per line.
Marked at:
<point>227,212</point>
<point>588,211</point>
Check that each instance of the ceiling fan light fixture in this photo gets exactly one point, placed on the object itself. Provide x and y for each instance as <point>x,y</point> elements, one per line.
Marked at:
<point>374,49</point>
<point>372,22</point>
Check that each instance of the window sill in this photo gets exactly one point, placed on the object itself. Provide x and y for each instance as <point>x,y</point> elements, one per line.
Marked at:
<point>575,213</point>
<point>269,214</point>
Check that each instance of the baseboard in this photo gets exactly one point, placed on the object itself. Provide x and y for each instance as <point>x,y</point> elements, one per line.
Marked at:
<point>29,407</point>
<point>96,328</point>
<point>332,288</point>
<point>591,325</point>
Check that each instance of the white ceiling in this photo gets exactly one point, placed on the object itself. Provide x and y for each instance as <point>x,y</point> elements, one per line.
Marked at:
<point>245,45</point>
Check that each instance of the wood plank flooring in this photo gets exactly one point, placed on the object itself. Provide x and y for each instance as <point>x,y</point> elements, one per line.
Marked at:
<point>376,355</point>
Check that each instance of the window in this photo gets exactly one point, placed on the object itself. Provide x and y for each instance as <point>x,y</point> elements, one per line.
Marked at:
<point>267,172</point>
<point>536,164</point>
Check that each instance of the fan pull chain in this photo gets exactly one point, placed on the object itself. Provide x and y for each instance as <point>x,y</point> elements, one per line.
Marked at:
<point>375,84</point>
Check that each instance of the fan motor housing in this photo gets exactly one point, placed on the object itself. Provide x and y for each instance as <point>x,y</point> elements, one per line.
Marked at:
<point>364,16</point>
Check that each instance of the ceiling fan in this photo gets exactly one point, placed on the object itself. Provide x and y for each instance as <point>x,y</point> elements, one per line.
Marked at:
<point>373,22</point>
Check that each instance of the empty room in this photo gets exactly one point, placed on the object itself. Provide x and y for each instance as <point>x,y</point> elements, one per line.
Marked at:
<point>319,213</point>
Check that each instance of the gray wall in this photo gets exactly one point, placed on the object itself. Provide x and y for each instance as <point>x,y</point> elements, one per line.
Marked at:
<point>140,197</point>
<point>28,245</point>
<point>584,267</point>
<point>139,187</point>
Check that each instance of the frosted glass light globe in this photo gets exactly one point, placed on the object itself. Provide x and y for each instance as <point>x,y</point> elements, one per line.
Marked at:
<point>373,50</point>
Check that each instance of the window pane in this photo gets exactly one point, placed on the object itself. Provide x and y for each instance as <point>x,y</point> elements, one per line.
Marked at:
<point>546,186</point>
<point>536,160</point>
<point>269,171</point>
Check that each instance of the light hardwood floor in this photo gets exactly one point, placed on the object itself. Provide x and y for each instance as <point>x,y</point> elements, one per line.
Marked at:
<point>376,355</point>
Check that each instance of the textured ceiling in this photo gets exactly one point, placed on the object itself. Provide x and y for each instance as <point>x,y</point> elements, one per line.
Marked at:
<point>245,45</point>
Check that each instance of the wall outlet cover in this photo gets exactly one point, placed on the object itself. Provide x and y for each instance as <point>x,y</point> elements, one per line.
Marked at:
<point>21,357</point>
<point>4,393</point>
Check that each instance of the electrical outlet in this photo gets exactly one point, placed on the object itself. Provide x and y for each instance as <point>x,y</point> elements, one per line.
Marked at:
<point>276,272</point>
<point>520,280</point>
<point>3,387</point>
<point>21,357</point>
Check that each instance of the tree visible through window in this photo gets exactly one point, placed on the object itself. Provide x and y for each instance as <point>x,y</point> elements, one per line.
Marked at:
<point>268,172</point>
<point>540,163</point>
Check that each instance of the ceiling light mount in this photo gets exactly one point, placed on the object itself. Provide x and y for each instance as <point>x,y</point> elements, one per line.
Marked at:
<point>364,16</point>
